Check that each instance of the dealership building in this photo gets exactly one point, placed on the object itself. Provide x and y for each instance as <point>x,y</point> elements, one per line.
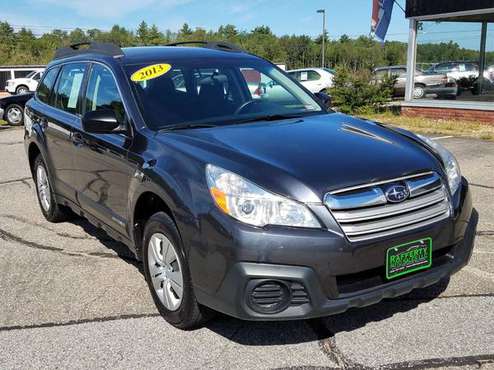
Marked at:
<point>452,26</point>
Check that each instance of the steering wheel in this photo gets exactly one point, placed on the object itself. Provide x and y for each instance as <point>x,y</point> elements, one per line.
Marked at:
<point>246,105</point>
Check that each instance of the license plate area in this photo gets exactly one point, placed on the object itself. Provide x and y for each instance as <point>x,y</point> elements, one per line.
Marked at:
<point>408,257</point>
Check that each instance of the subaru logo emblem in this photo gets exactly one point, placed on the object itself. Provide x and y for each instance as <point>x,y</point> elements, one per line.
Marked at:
<point>397,193</point>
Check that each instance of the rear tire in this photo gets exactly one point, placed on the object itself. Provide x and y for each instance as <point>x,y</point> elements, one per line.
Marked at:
<point>14,115</point>
<point>168,276</point>
<point>51,210</point>
<point>22,89</point>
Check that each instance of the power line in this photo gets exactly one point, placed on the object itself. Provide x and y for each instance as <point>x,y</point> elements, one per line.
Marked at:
<point>399,5</point>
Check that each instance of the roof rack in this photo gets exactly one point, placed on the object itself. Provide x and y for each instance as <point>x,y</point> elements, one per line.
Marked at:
<point>104,48</point>
<point>216,45</point>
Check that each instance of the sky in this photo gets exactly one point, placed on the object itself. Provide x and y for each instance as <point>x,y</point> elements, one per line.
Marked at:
<point>351,17</point>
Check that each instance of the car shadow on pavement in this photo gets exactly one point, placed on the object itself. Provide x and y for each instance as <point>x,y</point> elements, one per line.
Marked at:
<point>121,250</point>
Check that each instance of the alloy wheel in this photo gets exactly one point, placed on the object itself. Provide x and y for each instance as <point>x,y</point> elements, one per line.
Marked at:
<point>43,187</point>
<point>166,271</point>
<point>14,115</point>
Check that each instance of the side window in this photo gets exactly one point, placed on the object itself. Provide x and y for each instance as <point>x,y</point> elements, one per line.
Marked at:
<point>69,86</point>
<point>102,93</point>
<point>178,80</point>
<point>313,76</point>
<point>441,68</point>
<point>304,76</point>
<point>381,73</point>
<point>45,87</point>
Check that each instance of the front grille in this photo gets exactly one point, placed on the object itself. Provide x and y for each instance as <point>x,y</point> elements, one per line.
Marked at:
<point>364,212</point>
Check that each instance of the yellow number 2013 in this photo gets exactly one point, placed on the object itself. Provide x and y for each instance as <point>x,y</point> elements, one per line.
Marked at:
<point>150,72</point>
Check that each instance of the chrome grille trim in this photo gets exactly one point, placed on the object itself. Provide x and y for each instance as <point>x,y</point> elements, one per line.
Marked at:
<point>395,222</point>
<point>387,210</point>
<point>402,229</point>
<point>397,179</point>
<point>362,214</point>
<point>421,186</point>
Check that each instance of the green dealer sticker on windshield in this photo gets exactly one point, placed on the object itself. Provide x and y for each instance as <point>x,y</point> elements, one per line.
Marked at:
<point>409,257</point>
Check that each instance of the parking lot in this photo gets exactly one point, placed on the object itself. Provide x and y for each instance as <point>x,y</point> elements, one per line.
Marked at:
<point>72,297</point>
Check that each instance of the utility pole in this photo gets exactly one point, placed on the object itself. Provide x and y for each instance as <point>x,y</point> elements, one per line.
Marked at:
<point>323,12</point>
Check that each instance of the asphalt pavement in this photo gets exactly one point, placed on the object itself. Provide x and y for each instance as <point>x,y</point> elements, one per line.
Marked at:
<point>70,297</point>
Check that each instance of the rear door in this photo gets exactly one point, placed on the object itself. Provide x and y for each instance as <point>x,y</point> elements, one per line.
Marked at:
<point>58,114</point>
<point>102,171</point>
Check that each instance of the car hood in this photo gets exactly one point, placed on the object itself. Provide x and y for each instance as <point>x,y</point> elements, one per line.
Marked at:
<point>306,158</point>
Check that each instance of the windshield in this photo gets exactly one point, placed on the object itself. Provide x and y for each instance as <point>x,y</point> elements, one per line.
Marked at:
<point>215,92</point>
<point>31,74</point>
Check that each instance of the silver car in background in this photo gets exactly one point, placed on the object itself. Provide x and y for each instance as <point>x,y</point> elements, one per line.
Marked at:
<point>439,85</point>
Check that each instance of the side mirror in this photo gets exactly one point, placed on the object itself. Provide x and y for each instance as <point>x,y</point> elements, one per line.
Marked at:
<point>324,98</point>
<point>103,121</point>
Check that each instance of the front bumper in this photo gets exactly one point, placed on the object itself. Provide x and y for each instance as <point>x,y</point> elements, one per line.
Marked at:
<point>10,89</point>
<point>325,274</point>
<point>2,112</point>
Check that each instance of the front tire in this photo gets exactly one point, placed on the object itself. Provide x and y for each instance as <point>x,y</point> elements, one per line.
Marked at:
<point>418,91</point>
<point>14,115</point>
<point>167,274</point>
<point>51,210</point>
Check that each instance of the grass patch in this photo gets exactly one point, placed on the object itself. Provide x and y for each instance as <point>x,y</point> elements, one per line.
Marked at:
<point>2,122</point>
<point>429,126</point>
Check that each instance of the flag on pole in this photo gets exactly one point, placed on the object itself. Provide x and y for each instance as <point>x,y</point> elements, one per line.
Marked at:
<point>381,16</point>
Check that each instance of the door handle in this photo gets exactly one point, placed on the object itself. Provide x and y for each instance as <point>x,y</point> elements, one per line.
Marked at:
<point>77,139</point>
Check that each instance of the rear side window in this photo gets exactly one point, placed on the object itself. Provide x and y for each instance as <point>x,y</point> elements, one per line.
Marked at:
<point>102,92</point>
<point>69,86</point>
<point>313,76</point>
<point>46,85</point>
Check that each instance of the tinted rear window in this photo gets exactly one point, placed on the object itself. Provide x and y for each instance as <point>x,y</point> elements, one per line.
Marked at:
<point>46,86</point>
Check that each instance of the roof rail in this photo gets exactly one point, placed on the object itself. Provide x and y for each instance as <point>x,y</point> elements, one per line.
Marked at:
<point>104,48</point>
<point>216,45</point>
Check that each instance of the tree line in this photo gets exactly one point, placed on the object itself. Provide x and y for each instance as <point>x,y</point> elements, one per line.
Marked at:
<point>296,51</point>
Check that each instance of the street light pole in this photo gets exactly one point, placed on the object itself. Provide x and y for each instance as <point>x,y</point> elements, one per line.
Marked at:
<point>323,12</point>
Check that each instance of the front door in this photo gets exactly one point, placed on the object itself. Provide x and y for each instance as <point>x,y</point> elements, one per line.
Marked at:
<point>102,170</point>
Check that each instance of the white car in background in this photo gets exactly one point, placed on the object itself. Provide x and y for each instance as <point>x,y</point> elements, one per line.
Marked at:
<point>24,84</point>
<point>314,79</point>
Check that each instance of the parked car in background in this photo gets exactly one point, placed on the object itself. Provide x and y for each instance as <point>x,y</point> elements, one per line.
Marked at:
<point>489,73</point>
<point>24,84</point>
<point>12,108</point>
<point>314,79</point>
<point>456,70</point>
<point>425,83</point>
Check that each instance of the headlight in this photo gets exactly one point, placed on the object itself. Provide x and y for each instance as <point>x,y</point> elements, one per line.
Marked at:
<point>253,205</point>
<point>450,164</point>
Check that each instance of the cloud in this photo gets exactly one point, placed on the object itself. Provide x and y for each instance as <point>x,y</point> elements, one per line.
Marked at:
<point>115,8</point>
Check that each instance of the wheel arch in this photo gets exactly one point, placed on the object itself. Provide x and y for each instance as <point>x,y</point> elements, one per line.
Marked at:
<point>32,152</point>
<point>21,85</point>
<point>147,203</point>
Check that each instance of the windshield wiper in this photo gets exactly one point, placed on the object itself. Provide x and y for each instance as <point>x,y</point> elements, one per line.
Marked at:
<point>271,117</point>
<point>183,126</point>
